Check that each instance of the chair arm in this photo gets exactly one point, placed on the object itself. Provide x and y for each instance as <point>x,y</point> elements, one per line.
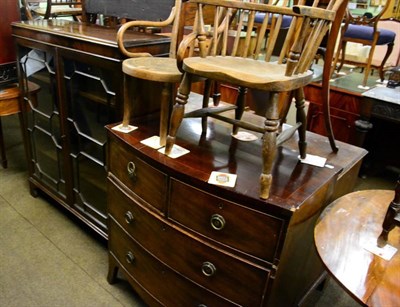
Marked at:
<point>181,54</point>
<point>141,23</point>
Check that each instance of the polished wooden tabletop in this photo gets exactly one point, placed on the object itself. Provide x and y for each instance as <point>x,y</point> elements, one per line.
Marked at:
<point>341,235</point>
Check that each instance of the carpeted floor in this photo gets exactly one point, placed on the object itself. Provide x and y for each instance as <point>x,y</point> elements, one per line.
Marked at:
<point>48,258</point>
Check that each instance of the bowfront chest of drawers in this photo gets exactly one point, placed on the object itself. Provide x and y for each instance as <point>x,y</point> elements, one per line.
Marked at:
<point>180,241</point>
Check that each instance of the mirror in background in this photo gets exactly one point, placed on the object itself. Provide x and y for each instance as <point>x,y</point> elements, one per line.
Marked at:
<point>367,8</point>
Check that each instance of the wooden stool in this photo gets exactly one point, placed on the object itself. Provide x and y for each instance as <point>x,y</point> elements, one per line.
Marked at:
<point>9,105</point>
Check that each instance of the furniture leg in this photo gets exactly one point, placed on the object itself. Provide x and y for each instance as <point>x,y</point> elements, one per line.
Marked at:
<point>240,104</point>
<point>166,95</point>
<point>392,217</point>
<point>112,270</point>
<point>2,148</point>
<point>217,93</point>
<point>130,95</point>
<point>369,62</point>
<point>387,55</point>
<point>301,118</point>
<point>269,144</point>
<point>178,111</point>
<point>343,52</point>
<point>206,99</point>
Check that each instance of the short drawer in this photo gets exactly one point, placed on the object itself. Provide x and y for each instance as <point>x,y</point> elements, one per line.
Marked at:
<point>222,273</point>
<point>226,222</point>
<point>170,288</point>
<point>144,180</point>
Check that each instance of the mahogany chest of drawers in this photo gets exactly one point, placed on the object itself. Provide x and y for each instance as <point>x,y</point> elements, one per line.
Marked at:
<point>183,242</point>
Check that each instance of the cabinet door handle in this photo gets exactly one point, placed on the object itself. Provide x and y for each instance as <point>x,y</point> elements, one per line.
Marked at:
<point>208,269</point>
<point>129,257</point>
<point>131,168</point>
<point>129,218</point>
<point>217,222</point>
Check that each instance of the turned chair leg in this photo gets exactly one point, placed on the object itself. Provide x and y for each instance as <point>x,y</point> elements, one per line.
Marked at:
<point>178,111</point>
<point>368,67</point>
<point>392,217</point>
<point>387,55</point>
<point>206,99</point>
<point>269,144</point>
<point>301,118</point>
<point>240,105</point>
<point>343,52</point>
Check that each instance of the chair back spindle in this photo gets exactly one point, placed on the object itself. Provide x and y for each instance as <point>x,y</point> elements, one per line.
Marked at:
<point>233,31</point>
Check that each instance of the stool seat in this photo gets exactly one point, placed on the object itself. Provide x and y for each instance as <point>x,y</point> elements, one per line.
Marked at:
<point>153,69</point>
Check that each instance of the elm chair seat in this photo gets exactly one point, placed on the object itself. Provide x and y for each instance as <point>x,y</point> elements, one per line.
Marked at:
<point>367,33</point>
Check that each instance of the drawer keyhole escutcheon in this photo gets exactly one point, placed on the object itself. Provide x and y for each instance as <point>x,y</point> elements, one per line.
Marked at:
<point>208,268</point>
<point>217,222</point>
<point>131,167</point>
<point>129,218</point>
<point>129,257</point>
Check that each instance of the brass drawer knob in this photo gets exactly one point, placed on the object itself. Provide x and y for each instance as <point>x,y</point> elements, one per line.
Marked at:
<point>129,257</point>
<point>217,222</point>
<point>129,218</point>
<point>131,168</point>
<point>208,268</point>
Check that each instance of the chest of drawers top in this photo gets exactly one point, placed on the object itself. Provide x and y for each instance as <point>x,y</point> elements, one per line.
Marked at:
<point>294,183</point>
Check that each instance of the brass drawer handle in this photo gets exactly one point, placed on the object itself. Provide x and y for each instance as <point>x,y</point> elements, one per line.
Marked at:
<point>129,257</point>
<point>217,222</point>
<point>129,218</point>
<point>131,168</point>
<point>208,269</point>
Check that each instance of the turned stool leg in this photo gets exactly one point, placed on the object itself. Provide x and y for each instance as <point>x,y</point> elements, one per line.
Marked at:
<point>178,111</point>
<point>166,95</point>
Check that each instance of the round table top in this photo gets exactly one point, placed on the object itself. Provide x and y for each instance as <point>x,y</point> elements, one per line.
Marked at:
<point>9,98</point>
<point>341,236</point>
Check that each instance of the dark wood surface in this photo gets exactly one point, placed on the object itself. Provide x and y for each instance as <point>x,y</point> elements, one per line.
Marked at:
<point>340,237</point>
<point>10,13</point>
<point>81,91</point>
<point>88,37</point>
<point>358,119</point>
<point>283,225</point>
<point>218,150</point>
<point>344,108</point>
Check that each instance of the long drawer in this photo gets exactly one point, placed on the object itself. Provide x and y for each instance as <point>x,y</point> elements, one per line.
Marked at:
<point>227,275</point>
<point>142,179</point>
<point>226,222</point>
<point>171,288</point>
